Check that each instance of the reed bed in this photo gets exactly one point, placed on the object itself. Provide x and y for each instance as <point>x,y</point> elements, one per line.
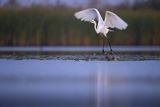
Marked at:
<point>35,26</point>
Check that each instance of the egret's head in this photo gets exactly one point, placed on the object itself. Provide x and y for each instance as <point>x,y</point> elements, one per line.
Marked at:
<point>92,21</point>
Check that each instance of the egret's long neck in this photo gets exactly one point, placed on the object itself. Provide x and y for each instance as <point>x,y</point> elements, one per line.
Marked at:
<point>95,26</point>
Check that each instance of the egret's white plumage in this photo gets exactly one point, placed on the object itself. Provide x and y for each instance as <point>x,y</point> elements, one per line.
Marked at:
<point>111,20</point>
<point>101,26</point>
<point>114,21</point>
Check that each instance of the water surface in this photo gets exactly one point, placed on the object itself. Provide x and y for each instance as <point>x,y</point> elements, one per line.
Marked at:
<point>80,49</point>
<point>64,83</point>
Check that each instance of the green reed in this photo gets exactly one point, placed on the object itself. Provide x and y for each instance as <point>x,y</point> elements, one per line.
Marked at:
<point>57,26</point>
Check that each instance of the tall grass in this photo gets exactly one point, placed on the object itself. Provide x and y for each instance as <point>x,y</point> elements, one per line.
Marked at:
<point>57,26</point>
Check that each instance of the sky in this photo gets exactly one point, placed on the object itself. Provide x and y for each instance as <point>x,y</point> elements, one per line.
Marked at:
<point>68,2</point>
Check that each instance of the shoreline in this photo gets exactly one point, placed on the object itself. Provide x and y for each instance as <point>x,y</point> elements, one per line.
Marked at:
<point>123,56</point>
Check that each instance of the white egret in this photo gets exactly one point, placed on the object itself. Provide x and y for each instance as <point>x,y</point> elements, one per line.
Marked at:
<point>102,26</point>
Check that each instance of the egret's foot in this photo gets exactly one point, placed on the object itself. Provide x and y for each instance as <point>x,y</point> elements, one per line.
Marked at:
<point>110,56</point>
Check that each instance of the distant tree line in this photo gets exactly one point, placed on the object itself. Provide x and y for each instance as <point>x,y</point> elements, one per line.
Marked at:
<point>11,3</point>
<point>136,4</point>
<point>154,4</point>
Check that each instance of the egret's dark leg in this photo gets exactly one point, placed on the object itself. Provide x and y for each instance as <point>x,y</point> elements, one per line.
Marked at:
<point>110,46</point>
<point>103,45</point>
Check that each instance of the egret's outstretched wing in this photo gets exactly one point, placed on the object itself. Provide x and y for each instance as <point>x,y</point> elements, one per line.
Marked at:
<point>88,15</point>
<point>114,21</point>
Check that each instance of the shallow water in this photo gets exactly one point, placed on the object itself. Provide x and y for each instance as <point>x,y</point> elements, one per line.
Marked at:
<point>64,83</point>
<point>81,49</point>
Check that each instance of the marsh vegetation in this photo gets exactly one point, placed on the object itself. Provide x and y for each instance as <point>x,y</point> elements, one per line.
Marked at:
<point>35,26</point>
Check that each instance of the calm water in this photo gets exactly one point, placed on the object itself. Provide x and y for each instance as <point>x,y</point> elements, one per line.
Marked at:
<point>81,49</point>
<point>59,83</point>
